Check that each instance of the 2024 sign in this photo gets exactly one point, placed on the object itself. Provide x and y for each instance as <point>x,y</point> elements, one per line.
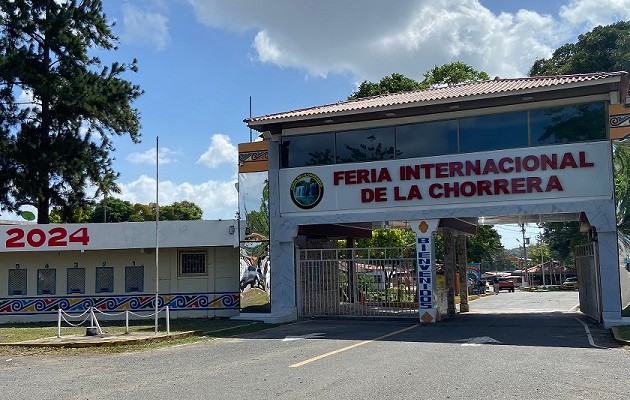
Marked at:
<point>55,237</point>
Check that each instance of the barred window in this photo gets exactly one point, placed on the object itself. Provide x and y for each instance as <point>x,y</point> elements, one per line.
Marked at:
<point>17,282</point>
<point>192,263</point>
<point>104,280</point>
<point>46,281</point>
<point>134,278</point>
<point>76,281</point>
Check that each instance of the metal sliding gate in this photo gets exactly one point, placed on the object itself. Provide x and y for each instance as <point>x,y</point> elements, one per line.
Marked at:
<point>587,268</point>
<point>365,282</point>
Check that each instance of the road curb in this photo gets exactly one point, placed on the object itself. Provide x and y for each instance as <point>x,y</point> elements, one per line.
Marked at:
<point>100,341</point>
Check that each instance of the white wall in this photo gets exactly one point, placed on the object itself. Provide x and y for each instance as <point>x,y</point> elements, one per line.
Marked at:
<point>222,271</point>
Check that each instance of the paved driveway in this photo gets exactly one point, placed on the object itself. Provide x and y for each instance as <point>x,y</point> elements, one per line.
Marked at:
<point>536,355</point>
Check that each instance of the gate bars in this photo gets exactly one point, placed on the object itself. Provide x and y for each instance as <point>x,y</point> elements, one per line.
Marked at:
<point>361,282</point>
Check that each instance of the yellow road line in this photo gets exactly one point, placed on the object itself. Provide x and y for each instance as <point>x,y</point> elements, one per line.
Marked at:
<point>332,353</point>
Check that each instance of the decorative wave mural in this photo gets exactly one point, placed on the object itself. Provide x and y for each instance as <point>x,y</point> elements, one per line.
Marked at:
<point>138,302</point>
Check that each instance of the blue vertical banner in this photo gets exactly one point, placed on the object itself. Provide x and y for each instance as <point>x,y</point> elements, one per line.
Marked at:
<point>425,257</point>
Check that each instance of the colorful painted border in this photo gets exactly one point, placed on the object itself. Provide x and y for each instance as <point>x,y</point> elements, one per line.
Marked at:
<point>115,303</point>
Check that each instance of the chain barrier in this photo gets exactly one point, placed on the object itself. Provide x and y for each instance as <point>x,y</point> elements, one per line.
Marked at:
<point>61,316</point>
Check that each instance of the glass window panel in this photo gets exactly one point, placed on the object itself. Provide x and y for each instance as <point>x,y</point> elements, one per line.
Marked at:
<point>300,151</point>
<point>134,278</point>
<point>428,139</point>
<point>76,280</point>
<point>104,280</point>
<point>17,282</point>
<point>46,281</point>
<point>568,124</point>
<point>193,263</point>
<point>493,132</point>
<point>365,145</point>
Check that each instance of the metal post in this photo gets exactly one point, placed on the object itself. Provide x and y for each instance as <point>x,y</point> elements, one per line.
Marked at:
<point>168,321</point>
<point>157,221</point>
<point>542,264</point>
<point>59,322</point>
<point>524,274</point>
<point>126,321</point>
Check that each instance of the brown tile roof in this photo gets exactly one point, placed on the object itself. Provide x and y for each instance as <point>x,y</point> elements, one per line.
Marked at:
<point>491,88</point>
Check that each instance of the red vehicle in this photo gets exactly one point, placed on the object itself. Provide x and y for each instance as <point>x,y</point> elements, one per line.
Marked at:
<point>506,284</point>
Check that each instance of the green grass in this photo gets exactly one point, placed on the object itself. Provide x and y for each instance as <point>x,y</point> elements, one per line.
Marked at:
<point>255,301</point>
<point>207,329</point>
<point>622,333</point>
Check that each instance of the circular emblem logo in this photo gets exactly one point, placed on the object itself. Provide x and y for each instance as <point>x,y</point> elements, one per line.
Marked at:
<point>307,190</point>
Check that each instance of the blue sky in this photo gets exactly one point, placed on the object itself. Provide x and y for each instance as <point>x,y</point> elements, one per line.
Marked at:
<point>201,60</point>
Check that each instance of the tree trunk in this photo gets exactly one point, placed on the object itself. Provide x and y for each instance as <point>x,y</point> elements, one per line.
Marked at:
<point>43,198</point>
<point>43,216</point>
<point>449,270</point>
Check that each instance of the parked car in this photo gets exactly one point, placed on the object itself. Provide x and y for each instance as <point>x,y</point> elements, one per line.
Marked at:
<point>570,283</point>
<point>506,284</point>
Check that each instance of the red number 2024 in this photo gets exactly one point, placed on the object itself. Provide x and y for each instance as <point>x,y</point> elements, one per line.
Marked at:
<point>36,237</point>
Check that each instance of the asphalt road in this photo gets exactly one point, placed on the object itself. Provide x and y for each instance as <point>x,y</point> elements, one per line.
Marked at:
<point>497,351</point>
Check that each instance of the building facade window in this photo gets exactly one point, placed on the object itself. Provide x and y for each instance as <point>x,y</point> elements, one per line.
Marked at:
<point>304,150</point>
<point>493,132</point>
<point>570,124</point>
<point>192,263</point>
<point>548,126</point>
<point>104,280</point>
<point>427,139</point>
<point>75,283</point>
<point>46,281</point>
<point>18,282</point>
<point>365,145</point>
<point>134,278</point>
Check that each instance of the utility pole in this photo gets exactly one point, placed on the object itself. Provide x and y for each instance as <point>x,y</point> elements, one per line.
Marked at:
<point>542,263</point>
<point>524,274</point>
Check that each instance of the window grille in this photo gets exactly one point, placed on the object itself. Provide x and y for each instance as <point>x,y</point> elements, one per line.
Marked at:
<point>76,281</point>
<point>104,280</point>
<point>134,278</point>
<point>17,282</point>
<point>46,281</point>
<point>192,263</point>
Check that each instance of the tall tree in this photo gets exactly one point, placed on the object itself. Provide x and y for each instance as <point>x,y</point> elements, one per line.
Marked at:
<point>181,211</point>
<point>390,84</point>
<point>258,220</point>
<point>605,48</point>
<point>447,74</point>
<point>485,247</point>
<point>58,140</point>
<point>621,164</point>
<point>562,237</point>
<point>451,74</point>
<point>112,210</point>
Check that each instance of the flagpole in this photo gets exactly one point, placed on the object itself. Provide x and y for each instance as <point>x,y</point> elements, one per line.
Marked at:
<point>157,220</point>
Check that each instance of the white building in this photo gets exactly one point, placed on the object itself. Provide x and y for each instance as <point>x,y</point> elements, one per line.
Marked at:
<point>113,267</point>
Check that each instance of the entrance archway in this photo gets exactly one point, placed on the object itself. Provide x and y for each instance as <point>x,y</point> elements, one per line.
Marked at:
<point>522,148</point>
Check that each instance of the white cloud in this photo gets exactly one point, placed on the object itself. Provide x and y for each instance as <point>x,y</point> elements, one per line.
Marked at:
<point>221,150</point>
<point>217,199</point>
<point>144,27</point>
<point>372,38</point>
<point>591,13</point>
<point>167,156</point>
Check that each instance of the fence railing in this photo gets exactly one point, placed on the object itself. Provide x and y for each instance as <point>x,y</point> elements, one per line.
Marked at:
<point>90,314</point>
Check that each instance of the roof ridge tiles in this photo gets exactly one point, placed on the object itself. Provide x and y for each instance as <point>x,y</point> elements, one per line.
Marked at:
<point>465,89</point>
